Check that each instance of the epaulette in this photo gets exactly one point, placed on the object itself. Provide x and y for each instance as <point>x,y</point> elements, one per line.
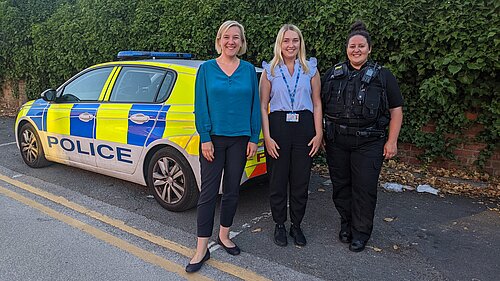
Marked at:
<point>340,70</point>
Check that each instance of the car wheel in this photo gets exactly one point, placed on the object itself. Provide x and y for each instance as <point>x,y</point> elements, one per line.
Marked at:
<point>31,147</point>
<point>171,180</point>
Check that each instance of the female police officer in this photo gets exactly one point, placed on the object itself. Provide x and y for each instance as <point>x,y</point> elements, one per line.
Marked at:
<point>361,99</point>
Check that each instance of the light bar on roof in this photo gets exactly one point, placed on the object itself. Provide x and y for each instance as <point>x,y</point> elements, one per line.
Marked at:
<point>137,55</point>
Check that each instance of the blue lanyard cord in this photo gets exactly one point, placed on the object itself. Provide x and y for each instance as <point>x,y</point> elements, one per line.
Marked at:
<point>292,94</point>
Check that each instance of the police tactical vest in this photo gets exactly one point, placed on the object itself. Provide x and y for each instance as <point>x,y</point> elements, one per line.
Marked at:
<point>355,98</point>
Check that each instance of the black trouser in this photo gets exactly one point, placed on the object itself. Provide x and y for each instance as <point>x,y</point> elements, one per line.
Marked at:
<point>293,166</point>
<point>354,163</point>
<point>230,157</point>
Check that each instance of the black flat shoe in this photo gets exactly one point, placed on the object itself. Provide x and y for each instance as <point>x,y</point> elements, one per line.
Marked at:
<point>345,237</point>
<point>298,235</point>
<point>280,235</point>
<point>193,267</point>
<point>357,245</point>
<point>232,251</point>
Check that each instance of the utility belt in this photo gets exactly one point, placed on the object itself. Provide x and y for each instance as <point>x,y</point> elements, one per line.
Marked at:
<point>331,129</point>
<point>360,132</point>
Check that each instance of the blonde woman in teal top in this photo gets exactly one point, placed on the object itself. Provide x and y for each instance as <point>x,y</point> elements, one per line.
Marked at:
<point>232,100</point>
<point>292,130</point>
<point>227,119</point>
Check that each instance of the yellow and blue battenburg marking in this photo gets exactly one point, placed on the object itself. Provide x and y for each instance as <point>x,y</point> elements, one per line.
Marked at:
<point>79,128</point>
<point>36,113</point>
<point>113,123</point>
<point>139,133</point>
<point>159,128</point>
<point>106,122</point>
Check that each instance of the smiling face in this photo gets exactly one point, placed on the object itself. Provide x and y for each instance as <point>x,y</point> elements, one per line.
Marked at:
<point>230,42</point>
<point>358,51</point>
<point>290,45</point>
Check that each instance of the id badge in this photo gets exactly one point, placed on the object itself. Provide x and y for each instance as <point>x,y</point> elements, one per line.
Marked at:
<point>292,117</point>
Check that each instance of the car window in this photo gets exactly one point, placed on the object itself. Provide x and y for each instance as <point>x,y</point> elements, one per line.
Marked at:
<point>166,87</point>
<point>137,84</point>
<point>86,87</point>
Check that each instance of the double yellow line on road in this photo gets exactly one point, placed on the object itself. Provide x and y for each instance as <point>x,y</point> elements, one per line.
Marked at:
<point>115,241</point>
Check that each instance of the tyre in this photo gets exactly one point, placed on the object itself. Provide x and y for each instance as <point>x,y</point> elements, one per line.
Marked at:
<point>31,147</point>
<point>171,180</point>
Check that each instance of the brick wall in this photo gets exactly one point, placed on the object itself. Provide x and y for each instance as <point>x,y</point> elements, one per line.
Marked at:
<point>9,103</point>
<point>465,153</point>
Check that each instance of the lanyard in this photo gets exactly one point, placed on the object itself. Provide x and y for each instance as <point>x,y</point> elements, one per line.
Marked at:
<point>292,94</point>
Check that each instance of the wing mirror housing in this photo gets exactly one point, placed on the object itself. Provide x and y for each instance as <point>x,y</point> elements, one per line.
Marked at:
<point>49,95</point>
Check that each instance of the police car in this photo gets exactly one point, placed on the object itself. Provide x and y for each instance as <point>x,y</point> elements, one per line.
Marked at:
<point>131,119</point>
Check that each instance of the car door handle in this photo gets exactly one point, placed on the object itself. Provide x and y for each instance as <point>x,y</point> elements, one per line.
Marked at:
<point>139,118</point>
<point>86,117</point>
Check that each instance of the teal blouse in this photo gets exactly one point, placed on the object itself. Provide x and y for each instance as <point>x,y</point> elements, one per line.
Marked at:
<point>227,105</point>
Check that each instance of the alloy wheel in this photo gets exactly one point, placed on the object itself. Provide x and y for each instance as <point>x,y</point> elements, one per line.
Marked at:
<point>30,146</point>
<point>168,180</point>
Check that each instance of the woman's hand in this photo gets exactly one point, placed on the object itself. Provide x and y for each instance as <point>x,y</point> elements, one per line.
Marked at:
<point>272,148</point>
<point>251,149</point>
<point>207,149</point>
<point>315,144</point>
<point>390,149</point>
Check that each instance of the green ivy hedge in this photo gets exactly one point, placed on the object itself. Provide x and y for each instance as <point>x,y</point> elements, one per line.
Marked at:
<point>444,53</point>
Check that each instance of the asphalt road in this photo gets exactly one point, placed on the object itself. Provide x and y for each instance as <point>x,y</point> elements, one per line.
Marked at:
<point>416,236</point>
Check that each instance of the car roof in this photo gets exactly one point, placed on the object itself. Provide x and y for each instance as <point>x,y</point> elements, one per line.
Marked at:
<point>188,63</point>
<point>193,64</point>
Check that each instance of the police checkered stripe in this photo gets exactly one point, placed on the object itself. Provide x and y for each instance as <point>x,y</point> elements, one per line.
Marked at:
<point>159,128</point>
<point>112,122</point>
<point>139,133</point>
<point>65,119</point>
<point>58,118</point>
<point>36,111</point>
<point>79,127</point>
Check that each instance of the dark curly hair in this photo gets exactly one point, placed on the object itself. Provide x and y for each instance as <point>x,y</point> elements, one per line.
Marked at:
<point>359,28</point>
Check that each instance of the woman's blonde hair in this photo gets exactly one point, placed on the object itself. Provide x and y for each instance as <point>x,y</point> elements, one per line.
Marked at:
<point>278,58</point>
<point>223,29</point>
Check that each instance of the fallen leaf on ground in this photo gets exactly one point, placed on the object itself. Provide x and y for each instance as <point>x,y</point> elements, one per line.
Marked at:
<point>388,219</point>
<point>258,229</point>
<point>376,249</point>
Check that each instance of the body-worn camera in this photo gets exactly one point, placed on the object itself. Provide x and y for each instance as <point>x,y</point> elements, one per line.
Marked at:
<point>370,72</point>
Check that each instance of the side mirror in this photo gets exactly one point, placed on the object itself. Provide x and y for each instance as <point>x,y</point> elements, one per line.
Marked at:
<point>49,95</point>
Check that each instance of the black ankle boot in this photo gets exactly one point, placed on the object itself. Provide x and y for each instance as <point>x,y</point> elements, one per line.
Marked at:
<point>357,245</point>
<point>298,235</point>
<point>345,236</point>
<point>280,235</point>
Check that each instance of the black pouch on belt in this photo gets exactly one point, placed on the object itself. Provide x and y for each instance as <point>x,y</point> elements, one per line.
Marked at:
<point>329,131</point>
